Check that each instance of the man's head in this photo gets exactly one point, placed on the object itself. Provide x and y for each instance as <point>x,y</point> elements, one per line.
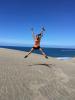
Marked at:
<point>37,36</point>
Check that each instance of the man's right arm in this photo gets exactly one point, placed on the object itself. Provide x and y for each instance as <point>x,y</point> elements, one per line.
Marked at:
<point>33,35</point>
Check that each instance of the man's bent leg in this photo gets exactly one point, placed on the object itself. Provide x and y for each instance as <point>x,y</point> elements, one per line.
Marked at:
<point>43,53</point>
<point>29,53</point>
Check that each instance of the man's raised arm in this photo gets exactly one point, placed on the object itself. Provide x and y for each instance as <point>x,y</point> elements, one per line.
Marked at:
<point>33,33</point>
<point>41,33</point>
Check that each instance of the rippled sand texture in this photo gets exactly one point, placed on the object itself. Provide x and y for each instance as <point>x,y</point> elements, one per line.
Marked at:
<point>35,78</point>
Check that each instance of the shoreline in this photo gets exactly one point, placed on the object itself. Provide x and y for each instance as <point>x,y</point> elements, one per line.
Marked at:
<point>58,58</point>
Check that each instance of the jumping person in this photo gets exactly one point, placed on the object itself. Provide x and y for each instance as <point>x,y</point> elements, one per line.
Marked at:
<point>37,40</point>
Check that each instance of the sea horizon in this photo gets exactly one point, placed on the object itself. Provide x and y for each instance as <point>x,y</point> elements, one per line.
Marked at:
<point>45,46</point>
<point>59,53</point>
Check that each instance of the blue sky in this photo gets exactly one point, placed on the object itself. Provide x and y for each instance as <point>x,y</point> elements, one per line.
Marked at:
<point>18,16</point>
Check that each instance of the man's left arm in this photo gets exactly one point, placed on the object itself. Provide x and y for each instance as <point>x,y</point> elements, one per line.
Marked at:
<point>42,31</point>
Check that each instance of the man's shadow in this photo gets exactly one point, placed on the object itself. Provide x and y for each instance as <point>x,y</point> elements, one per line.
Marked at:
<point>43,64</point>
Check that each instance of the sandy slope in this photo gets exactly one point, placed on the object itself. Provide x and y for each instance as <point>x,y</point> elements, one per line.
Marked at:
<point>35,78</point>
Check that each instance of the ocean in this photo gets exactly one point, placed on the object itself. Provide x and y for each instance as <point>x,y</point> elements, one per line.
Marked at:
<point>59,53</point>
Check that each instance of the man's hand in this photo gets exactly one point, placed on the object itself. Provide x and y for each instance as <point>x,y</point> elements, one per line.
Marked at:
<point>43,29</point>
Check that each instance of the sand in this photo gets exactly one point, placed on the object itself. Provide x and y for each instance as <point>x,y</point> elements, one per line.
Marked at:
<point>35,78</point>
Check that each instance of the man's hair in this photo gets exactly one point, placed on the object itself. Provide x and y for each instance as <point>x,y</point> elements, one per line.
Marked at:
<point>38,35</point>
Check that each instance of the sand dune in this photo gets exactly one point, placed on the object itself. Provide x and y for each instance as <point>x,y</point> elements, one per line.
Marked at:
<point>35,78</point>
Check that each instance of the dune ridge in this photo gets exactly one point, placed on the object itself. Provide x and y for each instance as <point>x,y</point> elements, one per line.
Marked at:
<point>35,78</point>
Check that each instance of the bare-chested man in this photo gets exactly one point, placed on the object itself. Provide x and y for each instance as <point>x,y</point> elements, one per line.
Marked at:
<point>37,40</point>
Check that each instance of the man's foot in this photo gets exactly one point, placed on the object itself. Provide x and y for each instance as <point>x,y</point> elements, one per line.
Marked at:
<point>46,57</point>
<point>26,56</point>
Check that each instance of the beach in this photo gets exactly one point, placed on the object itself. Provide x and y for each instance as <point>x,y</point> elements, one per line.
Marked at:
<point>35,77</point>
